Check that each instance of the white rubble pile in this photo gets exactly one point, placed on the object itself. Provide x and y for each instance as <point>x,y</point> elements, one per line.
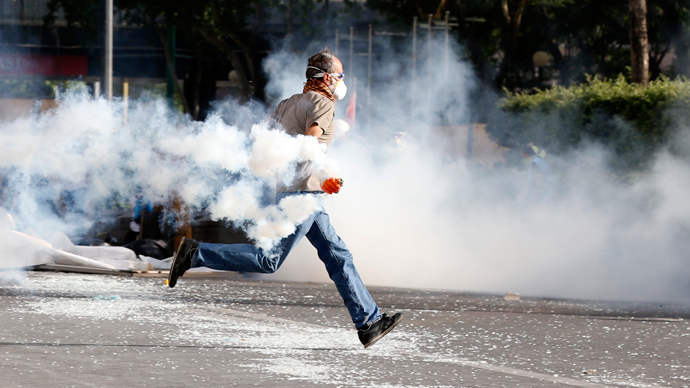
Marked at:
<point>21,250</point>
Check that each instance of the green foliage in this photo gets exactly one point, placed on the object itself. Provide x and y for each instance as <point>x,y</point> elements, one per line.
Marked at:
<point>35,88</point>
<point>629,119</point>
<point>25,88</point>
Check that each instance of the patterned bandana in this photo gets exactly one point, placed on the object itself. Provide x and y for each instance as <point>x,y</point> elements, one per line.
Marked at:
<point>318,86</point>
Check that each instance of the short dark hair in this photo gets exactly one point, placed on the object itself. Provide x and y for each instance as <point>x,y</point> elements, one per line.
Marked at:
<point>322,60</point>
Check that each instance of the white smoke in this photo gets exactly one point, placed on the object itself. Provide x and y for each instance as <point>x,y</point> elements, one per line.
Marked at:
<point>416,216</point>
<point>83,148</point>
<point>412,211</point>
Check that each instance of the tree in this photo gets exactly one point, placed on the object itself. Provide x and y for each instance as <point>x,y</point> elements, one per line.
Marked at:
<point>501,47</point>
<point>639,42</point>
<point>212,24</point>
<point>512,14</point>
<point>669,34</point>
<point>583,37</point>
<point>627,118</point>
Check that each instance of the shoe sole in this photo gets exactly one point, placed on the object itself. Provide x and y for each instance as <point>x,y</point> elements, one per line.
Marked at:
<point>172,284</point>
<point>388,330</point>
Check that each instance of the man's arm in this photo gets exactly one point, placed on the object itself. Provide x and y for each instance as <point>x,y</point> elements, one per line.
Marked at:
<point>314,130</point>
<point>332,185</point>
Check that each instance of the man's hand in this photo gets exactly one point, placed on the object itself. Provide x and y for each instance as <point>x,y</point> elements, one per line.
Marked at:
<point>332,185</point>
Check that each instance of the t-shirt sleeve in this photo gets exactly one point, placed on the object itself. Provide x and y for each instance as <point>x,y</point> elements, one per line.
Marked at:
<point>322,114</point>
<point>275,115</point>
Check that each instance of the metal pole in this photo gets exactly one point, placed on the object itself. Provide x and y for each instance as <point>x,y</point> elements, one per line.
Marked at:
<point>371,38</point>
<point>470,140</point>
<point>352,45</point>
<point>337,41</point>
<point>447,41</point>
<point>125,98</point>
<point>37,108</point>
<point>108,70</point>
<point>96,89</point>
<point>414,47</point>
<point>429,43</point>
<point>353,102</point>
<point>445,67</point>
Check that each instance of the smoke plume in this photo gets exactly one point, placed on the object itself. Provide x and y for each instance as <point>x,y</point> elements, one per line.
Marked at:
<point>61,166</point>
<point>415,215</point>
<point>414,210</point>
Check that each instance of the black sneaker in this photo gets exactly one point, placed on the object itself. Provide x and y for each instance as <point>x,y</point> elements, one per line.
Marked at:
<point>182,260</point>
<point>368,335</point>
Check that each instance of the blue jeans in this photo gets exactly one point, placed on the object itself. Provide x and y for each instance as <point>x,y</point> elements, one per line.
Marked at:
<point>331,250</point>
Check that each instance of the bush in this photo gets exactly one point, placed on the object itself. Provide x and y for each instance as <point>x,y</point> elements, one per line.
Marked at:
<point>629,119</point>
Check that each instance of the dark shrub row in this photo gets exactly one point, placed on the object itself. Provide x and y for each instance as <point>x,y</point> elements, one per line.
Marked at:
<point>629,119</point>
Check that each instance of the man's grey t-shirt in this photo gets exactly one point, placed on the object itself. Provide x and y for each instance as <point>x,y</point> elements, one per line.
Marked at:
<point>296,114</point>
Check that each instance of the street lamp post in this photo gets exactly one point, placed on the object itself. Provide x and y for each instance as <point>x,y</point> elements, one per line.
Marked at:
<point>108,69</point>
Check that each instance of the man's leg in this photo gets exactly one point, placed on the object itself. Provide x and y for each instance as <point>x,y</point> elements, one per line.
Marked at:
<point>247,257</point>
<point>233,257</point>
<point>338,260</point>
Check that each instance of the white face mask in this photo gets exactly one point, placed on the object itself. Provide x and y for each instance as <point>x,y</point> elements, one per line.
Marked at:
<point>339,89</point>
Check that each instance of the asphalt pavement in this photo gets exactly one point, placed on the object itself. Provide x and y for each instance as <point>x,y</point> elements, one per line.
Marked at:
<point>82,330</point>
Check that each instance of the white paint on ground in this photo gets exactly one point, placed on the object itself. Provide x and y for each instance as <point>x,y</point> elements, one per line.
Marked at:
<point>290,345</point>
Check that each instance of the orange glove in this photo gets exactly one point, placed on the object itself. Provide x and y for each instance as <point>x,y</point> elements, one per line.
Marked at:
<point>332,185</point>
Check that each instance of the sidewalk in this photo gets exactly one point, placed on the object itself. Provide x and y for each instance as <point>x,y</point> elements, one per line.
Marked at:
<point>64,330</point>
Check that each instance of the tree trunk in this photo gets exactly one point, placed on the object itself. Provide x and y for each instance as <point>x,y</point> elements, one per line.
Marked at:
<point>244,45</point>
<point>288,18</point>
<point>171,69</point>
<point>509,39</point>
<point>656,56</point>
<point>254,59</point>
<point>232,57</point>
<point>554,50</point>
<point>680,42</point>
<point>639,42</point>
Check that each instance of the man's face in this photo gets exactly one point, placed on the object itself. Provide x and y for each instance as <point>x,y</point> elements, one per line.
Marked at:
<point>330,79</point>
